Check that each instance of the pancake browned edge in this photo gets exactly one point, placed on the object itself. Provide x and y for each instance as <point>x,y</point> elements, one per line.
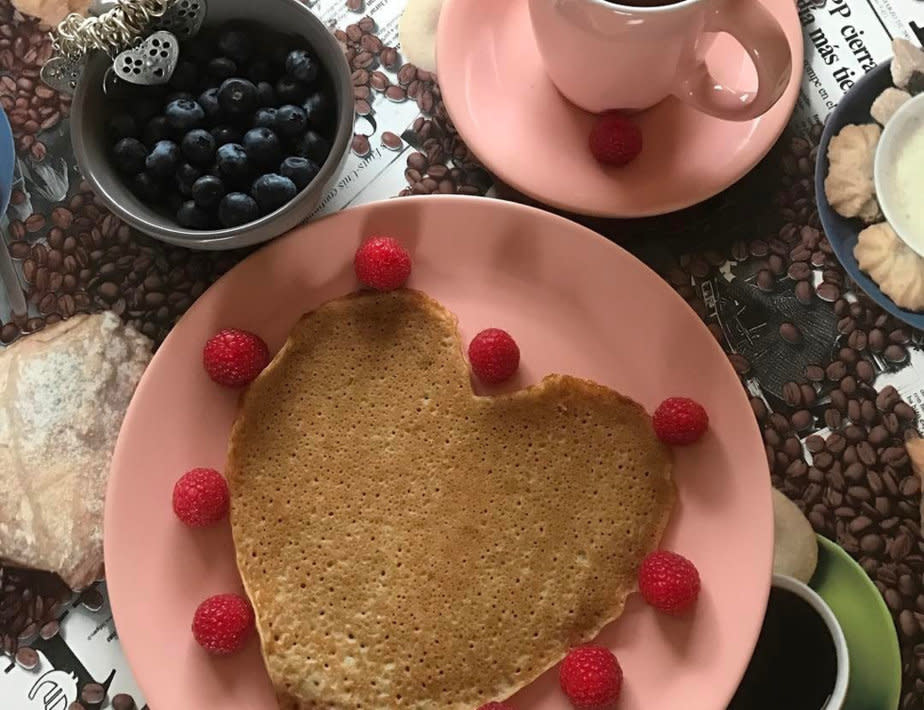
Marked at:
<point>407,544</point>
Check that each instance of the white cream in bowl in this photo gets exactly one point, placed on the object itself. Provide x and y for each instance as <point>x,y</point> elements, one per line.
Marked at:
<point>899,173</point>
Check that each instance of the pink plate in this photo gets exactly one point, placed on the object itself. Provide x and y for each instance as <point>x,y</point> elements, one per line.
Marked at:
<point>512,117</point>
<point>576,304</point>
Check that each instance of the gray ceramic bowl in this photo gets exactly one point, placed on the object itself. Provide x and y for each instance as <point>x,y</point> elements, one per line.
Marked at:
<point>91,148</point>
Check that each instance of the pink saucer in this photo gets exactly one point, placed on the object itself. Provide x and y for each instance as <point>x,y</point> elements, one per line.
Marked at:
<point>512,117</point>
<point>577,304</point>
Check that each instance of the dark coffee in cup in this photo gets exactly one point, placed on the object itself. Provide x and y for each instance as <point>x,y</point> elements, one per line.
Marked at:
<point>794,665</point>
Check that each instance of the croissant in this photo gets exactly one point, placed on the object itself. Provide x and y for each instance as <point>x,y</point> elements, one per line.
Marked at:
<point>63,393</point>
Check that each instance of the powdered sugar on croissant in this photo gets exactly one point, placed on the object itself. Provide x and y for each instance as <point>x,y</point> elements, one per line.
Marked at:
<point>849,185</point>
<point>63,393</point>
<point>897,270</point>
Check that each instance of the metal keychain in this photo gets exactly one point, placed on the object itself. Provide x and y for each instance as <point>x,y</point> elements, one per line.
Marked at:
<point>142,37</point>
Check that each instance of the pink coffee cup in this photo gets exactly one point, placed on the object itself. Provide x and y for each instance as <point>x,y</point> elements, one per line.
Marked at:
<point>602,55</point>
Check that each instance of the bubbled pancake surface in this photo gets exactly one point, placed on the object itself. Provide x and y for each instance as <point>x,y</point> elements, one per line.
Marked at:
<point>407,544</point>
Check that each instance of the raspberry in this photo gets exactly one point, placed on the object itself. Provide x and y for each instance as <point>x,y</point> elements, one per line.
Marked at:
<point>200,497</point>
<point>222,623</point>
<point>235,357</point>
<point>615,140</point>
<point>679,421</point>
<point>591,677</point>
<point>382,263</point>
<point>494,355</point>
<point>494,705</point>
<point>668,581</point>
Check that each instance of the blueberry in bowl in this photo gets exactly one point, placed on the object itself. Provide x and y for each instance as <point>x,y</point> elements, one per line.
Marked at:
<point>237,96</point>
<point>198,146</point>
<point>184,114</point>
<point>300,171</point>
<point>163,160</point>
<point>240,145</point>
<point>237,208</point>
<point>272,191</point>
<point>130,156</point>
<point>263,147</point>
<point>207,191</point>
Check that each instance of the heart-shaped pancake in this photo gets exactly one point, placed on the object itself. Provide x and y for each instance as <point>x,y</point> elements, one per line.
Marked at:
<point>408,544</point>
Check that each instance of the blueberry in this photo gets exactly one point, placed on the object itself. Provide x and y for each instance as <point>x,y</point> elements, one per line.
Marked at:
<point>237,208</point>
<point>300,171</point>
<point>198,146</point>
<point>144,108</point>
<point>157,129</point>
<point>184,115</point>
<point>233,163</point>
<point>235,43</point>
<point>207,191</point>
<point>185,76</point>
<point>186,175</point>
<point>291,91</point>
<point>259,70</point>
<point>208,100</point>
<point>121,126</point>
<point>266,94</point>
<point>265,118</point>
<point>237,95</point>
<point>163,159</point>
<point>178,95</point>
<point>191,216</point>
<point>291,120</point>
<point>313,146</point>
<point>222,68</point>
<point>272,191</point>
<point>320,109</point>
<point>263,147</point>
<point>301,65</point>
<point>129,155</point>
<point>226,134</point>
<point>147,187</point>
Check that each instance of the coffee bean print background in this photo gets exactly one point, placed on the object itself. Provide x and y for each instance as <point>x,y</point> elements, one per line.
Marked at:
<point>55,645</point>
<point>814,355</point>
<point>440,162</point>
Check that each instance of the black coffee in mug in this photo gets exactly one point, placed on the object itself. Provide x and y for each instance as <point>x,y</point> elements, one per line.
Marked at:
<point>794,666</point>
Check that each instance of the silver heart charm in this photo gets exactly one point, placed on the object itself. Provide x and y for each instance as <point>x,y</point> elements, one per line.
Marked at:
<point>183,18</point>
<point>151,62</point>
<point>62,73</point>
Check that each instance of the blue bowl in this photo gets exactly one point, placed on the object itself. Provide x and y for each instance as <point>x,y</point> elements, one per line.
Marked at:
<point>7,162</point>
<point>843,232</point>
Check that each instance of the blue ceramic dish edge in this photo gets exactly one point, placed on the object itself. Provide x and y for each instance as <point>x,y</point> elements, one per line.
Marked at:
<point>7,162</point>
<point>842,232</point>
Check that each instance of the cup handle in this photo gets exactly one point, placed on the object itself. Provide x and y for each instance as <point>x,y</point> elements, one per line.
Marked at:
<point>761,36</point>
